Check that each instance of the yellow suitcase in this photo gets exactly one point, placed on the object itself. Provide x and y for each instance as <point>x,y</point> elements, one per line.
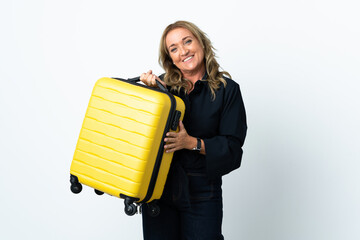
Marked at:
<point>121,143</point>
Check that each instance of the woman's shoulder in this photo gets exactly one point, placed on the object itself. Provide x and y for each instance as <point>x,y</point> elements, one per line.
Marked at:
<point>230,87</point>
<point>230,82</point>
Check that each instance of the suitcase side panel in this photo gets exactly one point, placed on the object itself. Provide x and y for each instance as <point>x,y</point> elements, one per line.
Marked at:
<point>167,158</point>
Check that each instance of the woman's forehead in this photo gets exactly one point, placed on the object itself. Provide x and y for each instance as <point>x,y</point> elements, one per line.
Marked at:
<point>177,35</point>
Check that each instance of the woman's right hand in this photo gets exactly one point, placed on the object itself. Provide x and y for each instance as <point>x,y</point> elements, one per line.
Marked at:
<point>149,79</point>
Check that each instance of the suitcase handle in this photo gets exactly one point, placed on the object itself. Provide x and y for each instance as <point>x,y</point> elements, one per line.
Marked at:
<point>137,79</point>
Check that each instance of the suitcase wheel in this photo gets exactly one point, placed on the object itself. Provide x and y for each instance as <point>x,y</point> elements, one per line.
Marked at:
<point>75,187</point>
<point>98,192</point>
<point>130,209</point>
<point>153,209</point>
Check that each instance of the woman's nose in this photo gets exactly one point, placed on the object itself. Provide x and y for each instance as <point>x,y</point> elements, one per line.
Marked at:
<point>184,51</point>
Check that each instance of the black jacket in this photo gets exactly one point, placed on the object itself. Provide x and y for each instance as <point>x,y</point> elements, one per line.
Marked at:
<point>221,123</point>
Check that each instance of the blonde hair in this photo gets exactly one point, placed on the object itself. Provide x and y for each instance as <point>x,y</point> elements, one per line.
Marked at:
<point>173,76</point>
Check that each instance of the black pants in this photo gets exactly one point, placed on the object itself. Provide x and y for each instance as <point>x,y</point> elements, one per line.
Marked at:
<point>190,208</point>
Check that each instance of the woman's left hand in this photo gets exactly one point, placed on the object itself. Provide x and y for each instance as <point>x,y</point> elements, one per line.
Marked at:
<point>179,140</point>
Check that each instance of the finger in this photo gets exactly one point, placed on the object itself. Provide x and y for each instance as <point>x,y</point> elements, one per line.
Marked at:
<point>148,74</point>
<point>170,148</point>
<point>170,140</point>
<point>170,151</point>
<point>142,77</point>
<point>149,80</point>
<point>146,78</point>
<point>181,125</point>
<point>171,134</point>
<point>153,82</point>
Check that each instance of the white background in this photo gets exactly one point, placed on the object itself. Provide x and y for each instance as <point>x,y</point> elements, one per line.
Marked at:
<point>297,63</point>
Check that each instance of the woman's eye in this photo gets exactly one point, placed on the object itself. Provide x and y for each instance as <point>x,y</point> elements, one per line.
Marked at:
<point>188,41</point>
<point>173,50</point>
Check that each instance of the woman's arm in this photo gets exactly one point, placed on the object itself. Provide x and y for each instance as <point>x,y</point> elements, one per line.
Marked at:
<point>224,151</point>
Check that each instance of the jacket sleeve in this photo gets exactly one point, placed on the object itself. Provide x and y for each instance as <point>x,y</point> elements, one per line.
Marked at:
<point>224,151</point>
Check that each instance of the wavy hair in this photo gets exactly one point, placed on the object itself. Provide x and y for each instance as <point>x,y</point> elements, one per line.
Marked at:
<point>173,76</point>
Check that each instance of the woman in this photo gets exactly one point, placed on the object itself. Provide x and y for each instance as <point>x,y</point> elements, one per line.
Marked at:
<point>209,142</point>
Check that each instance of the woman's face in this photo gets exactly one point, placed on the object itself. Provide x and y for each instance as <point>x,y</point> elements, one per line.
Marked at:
<point>185,51</point>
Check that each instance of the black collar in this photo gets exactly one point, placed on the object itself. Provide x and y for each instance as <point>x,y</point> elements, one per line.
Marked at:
<point>200,84</point>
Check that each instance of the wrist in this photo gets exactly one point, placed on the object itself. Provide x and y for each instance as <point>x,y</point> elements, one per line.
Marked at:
<point>198,145</point>
<point>191,143</point>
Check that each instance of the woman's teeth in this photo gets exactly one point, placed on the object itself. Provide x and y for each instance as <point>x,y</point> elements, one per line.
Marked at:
<point>187,59</point>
